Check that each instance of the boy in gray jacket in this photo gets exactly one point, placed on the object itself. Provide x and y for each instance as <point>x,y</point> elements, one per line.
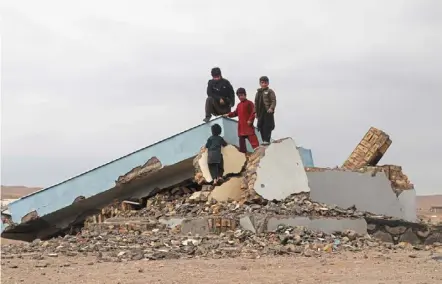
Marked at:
<point>265,103</point>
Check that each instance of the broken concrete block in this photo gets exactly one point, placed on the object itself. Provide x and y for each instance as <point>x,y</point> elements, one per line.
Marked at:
<point>407,200</point>
<point>399,181</point>
<point>234,162</point>
<point>230,189</point>
<point>326,225</point>
<point>369,151</point>
<point>247,224</point>
<point>171,222</point>
<point>152,165</point>
<point>199,195</point>
<point>275,172</point>
<point>367,191</point>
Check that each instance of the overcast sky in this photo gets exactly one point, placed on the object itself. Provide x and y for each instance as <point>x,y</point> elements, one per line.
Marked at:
<point>89,81</point>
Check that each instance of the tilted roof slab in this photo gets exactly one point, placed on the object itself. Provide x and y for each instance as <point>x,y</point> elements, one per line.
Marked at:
<point>56,203</point>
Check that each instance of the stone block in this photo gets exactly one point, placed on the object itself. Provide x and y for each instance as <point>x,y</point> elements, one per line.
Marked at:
<point>171,222</point>
<point>397,230</point>
<point>198,226</point>
<point>230,189</point>
<point>200,195</point>
<point>410,237</point>
<point>383,236</point>
<point>434,237</point>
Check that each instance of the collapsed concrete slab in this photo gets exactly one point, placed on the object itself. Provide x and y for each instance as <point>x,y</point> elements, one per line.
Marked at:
<point>275,171</point>
<point>234,162</point>
<point>366,190</point>
<point>326,225</point>
<point>165,164</point>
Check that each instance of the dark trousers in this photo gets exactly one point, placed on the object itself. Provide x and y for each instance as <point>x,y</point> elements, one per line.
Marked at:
<point>216,170</point>
<point>252,139</point>
<point>213,107</point>
<point>266,124</point>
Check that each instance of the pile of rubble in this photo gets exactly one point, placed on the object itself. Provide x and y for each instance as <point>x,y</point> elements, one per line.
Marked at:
<point>164,243</point>
<point>178,203</point>
<point>257,211</point>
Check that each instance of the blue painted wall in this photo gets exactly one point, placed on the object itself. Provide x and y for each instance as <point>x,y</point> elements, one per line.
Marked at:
<point>169,151</point>
<point>306,156</point>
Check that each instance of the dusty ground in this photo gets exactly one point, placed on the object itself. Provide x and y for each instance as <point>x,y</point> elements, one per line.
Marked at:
<point>362,268</point>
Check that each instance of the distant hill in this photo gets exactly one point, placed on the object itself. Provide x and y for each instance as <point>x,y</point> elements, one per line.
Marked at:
<point>425,202</point>
<point>16,191</point>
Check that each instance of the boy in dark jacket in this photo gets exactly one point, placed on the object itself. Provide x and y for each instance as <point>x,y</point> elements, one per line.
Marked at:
<point>214,156</point>
<point>220,95</point>
<point>245,111</point>
<point>265,103</point>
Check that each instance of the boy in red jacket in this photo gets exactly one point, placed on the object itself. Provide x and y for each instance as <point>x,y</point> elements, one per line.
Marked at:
<point>245,111</point>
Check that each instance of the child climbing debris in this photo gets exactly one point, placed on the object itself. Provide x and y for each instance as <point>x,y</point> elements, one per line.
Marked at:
<point>245,111</point>
<point>215,159</point>
<point>265,103</point>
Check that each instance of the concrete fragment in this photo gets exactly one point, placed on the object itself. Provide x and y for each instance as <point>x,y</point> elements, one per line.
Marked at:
<point>371,227</point>
<point>407,200</point>
<point>33,215</point>
<point>152,165</point>
<point>326,225</point>
<point>247,224</point>
<point>276,171</point>
<point>199,195</point>
<point>383,236</point>
<point>195,226</point>
<point>368,192</point>
<point>234,162</point>
<point>409,237</point>
<point>398,230</point>
<point>423,233</point>
<point>171,222</point>
<point>230,189</point>
<point>434,237</point>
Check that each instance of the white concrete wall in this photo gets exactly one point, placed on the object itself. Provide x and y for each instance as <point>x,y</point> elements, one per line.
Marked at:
<point>407,199</point>
<point>281,171</point>
<point>368,193</point>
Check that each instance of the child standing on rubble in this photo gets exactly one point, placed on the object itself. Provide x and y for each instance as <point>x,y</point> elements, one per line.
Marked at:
<point>245,111</point>
<point>265,103</point>
<point>214,156</point>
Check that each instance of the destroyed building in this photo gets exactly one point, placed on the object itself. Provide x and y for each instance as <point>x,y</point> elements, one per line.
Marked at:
<point>274,185</point>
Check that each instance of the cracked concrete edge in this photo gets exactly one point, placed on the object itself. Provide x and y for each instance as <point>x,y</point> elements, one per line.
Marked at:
<point>152,165</point>
<point>394,173</point>
<point>202,175</point>
<point>278,171</point>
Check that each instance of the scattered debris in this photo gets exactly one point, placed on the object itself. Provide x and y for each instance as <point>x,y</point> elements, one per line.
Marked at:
<point>263,207</point>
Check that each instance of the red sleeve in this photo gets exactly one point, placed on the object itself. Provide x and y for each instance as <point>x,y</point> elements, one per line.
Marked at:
<point>233,113</point>
<point>252,113</point>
